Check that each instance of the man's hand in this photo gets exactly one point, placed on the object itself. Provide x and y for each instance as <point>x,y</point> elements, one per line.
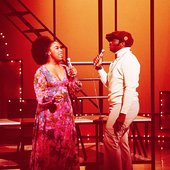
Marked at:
<point>98,62</point>
<point>119,122</point>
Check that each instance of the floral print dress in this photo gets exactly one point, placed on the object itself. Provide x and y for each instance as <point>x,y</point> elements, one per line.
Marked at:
<point>54,144</point>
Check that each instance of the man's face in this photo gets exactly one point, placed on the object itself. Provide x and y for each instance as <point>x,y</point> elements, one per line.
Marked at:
<point>115,45</point>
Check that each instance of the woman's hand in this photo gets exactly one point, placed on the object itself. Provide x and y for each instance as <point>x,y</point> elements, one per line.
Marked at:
<point>58,97</point>
<point>72,71</point>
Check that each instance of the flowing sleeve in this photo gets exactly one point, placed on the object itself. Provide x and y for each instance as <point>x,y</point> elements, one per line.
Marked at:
<point>74,86</point>
<point>45,101</point>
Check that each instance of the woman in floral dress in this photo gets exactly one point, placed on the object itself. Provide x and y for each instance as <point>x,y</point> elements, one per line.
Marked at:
<point>54,144</point>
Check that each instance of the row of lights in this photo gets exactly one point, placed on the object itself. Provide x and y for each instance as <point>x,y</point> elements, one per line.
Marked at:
<point>20,100</point>
<point>2,36</point>
<point>19,72</point>
<point>162,111</point>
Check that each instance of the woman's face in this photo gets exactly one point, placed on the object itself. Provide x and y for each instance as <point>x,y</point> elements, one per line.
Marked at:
<point>56,52</point>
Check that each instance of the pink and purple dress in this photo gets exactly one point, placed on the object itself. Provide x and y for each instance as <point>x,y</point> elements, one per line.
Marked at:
<point>54,144</point>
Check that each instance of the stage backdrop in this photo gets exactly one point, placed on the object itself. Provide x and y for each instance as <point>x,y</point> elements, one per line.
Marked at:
<point>77,27</point>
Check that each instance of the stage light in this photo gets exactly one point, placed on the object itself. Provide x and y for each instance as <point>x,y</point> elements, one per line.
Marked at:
<point>164,99</point>
<point>4,56</point>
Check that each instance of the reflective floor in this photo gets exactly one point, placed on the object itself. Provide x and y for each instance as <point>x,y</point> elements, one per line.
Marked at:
<point>9,159</point>
<point>162,157</point>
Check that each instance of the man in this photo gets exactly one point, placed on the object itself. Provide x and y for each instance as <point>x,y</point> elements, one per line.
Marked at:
<point>121,80</point>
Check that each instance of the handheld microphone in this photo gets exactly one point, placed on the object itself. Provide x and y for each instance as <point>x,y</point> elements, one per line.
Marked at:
<point>97,59</point>
<point>69,62</point>
<point>101,53</point>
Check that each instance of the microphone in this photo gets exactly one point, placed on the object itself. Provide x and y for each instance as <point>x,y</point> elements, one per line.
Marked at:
<point>96,60</point>
<point>101,54</point>
<point>69,62</point>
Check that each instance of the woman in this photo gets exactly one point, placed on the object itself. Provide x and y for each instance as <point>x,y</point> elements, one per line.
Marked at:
<point>54,140</point>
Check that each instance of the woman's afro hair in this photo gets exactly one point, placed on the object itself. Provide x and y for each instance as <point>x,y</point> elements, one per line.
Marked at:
<point>40,49</point>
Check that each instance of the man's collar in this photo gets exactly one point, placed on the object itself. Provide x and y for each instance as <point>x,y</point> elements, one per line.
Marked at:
<point>122,51</point>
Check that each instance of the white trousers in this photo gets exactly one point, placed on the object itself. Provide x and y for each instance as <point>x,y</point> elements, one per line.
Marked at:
<point>116,146</point>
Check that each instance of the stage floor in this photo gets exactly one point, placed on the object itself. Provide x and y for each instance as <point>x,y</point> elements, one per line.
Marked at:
<point>8,157</point>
